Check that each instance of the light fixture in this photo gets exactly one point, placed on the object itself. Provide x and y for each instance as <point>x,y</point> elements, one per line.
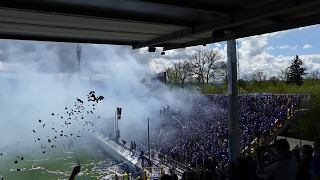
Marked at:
<point>152,49</point>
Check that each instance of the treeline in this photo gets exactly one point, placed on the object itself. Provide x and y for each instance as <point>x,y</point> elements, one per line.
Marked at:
<point>201,68</point>
<point>204,69</point>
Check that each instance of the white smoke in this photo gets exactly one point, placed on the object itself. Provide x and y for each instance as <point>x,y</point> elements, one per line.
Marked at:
<point>40,78</point>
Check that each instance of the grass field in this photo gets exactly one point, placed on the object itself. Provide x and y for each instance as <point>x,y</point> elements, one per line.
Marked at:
<point>58,163</point>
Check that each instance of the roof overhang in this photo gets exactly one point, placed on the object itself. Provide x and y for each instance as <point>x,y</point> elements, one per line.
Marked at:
<point>170,24</point>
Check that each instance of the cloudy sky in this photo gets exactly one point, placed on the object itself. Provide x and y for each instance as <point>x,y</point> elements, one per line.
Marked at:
<point>268,53</point>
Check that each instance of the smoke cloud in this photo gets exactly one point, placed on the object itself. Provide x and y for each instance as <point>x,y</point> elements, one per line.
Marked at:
<point>41,78</point>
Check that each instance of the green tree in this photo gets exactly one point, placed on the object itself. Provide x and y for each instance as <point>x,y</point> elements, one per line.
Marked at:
<point>203,65</point>
<point>242,83</point>
<point>273,80</point>
<point>223,70</point>
<point>282,75</point>
<point>184,71</point>
<point>296,72</point>
<point>173,75</point>
<point>258,76</point>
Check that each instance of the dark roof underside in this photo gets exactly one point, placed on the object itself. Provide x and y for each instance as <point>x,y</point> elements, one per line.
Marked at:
<point>169,24</point>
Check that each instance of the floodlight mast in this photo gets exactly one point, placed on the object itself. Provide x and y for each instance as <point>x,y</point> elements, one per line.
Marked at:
<point>149,143</point>
<point>78,50</point>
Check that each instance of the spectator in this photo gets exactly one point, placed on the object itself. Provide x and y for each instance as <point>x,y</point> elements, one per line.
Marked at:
<point>315,167</point>
<point>125,176</point>
<point>296,154</point>
<point>116,177</point>
<point>306,161</point>
<point>243,169</point>
<point>199,137</point>
<point>166,177</point>
<point>286,167</point>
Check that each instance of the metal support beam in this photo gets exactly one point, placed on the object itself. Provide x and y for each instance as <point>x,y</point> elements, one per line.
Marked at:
<point>241,33</point>
<point>228,22</point>
<point>85,11</point>
<point>223,22</point>
<point>214,8</point>
<point>234,139</point>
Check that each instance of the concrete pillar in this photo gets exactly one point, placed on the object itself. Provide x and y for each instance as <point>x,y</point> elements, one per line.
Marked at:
<point>233,103</point>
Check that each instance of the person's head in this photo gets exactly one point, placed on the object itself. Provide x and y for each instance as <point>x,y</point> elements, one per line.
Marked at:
<point>243,168</point>
<point>191,175</point>
<point>307,151</point>
<point>166,177</point>
<point>208,175</point>
<point>317,145</point>
<point>296,154</point>
<point>282,147</point>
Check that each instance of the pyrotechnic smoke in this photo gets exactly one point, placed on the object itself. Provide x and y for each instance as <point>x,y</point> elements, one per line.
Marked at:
<point>41,78</point>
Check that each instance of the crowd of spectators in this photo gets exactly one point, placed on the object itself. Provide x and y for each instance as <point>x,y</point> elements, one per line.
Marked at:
<point>274,161</point>
<point>199,138</point>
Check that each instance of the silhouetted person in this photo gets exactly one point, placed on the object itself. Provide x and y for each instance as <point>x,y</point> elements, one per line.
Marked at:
<point>125,176</point>
<point>174,176</point>
<point>286,167</point>
<point>117,135</point>
<point>116,177</point>
<point>306,161</point>
<point>75,171</point>
<point>296,154</point>
<point>315,166</point>
<point>191,176</point>
<point>166,177</point>
<point>243,169</point>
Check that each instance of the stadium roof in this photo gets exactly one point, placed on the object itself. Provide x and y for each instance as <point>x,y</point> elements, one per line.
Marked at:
<point>151,23</point>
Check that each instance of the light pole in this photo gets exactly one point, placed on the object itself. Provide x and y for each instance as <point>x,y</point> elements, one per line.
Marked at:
<point>117,118</point>
<point>149,141</point>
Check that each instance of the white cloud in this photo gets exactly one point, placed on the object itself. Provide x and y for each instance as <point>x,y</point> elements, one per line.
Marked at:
<point>266,62</point>
<point>311,61</point>
<point>1,66</point>
<point>270,48</point>
<point>217,45</point>
<point>253,45</point>
<point>307,46</point>
<point>294,47</point>
<point>284,47</point>
<point>306,27</point>
<point>1,52</point>
<point>253,57</point>
<point>159,64</point>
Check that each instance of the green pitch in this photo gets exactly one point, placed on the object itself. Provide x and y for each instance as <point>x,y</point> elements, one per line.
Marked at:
<point>58,163</point>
